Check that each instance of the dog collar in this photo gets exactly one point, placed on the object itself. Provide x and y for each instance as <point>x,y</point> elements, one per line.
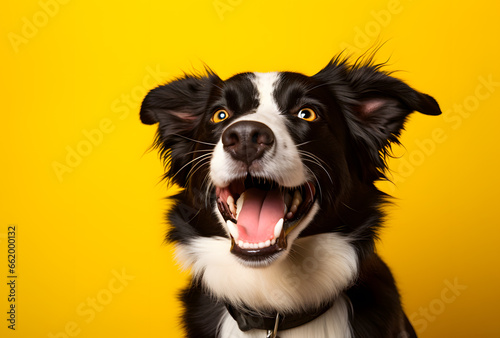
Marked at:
<point>248,319</point>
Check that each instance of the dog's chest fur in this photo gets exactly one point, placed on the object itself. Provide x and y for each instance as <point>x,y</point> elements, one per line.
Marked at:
<point>318,268</point>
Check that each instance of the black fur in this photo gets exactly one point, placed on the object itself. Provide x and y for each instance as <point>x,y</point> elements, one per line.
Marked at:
<point>362,111</point>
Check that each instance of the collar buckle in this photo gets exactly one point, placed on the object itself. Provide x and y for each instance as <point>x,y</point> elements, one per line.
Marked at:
<point>274,333</point>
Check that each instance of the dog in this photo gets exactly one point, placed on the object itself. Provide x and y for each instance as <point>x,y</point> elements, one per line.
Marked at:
<point>278,214</point>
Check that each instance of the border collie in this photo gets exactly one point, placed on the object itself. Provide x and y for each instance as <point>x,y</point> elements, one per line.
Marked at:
<point>278,216</point>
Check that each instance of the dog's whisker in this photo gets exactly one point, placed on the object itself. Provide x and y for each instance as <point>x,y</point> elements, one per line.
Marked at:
<point>199,151</point>
<point>210,186</point>
<point>348,207</point>
<point>304,143</point>
<point>315,160</point>
<point>317,181</point>
<point>199,166</point>
<point>199,158</point>
<point>202,162</point>
<point>311,155</point>
<point>191,139</point>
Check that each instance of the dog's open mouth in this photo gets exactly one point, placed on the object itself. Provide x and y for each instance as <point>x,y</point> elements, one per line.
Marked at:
<point>260,214</point>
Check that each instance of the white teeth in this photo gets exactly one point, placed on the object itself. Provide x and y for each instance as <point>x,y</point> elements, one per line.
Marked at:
<point>278,227</point>
<point>239,204</point>
<point>261,245</point>
<point>231,204</point>
<point>233,229</point>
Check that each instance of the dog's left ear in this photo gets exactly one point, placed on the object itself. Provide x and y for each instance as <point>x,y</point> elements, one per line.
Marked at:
<point>382,104</point>
<point>378,112</point>
<point>376,106</point>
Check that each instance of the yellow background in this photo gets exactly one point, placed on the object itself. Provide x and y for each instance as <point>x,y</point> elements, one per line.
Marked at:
<point>84,66</point>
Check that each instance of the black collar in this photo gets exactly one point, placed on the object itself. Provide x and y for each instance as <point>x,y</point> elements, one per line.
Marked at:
<point>248,319</point>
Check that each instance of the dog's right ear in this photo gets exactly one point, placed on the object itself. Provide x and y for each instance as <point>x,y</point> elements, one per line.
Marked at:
<point>178,105</point>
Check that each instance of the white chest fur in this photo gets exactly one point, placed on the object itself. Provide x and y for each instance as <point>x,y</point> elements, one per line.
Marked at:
<point>316,268</point>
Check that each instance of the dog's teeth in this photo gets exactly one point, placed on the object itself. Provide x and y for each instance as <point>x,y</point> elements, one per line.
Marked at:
<point>233,229</point>
<point>278,227</point>
<point>246,245</point>
<point>297,196</point>
<point>297,199</point>
<point>288,199</point>
<point>273,241</point>
<point>267,243</point>
<point>239,204</point>
<point>231,204</point>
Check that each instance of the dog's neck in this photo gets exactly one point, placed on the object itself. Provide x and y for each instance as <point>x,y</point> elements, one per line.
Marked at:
<point>249,320</point>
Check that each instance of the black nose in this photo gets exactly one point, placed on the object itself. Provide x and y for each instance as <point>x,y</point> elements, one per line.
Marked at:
<point>247,141</point>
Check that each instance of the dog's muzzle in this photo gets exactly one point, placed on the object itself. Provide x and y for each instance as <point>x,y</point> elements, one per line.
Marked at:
<point>259,212</point>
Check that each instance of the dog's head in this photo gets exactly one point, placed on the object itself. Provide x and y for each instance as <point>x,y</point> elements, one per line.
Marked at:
<point>270,150</point>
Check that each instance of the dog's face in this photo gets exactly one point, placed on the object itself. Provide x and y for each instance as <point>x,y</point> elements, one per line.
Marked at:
<point>280,155</point>
<point>265,189</point>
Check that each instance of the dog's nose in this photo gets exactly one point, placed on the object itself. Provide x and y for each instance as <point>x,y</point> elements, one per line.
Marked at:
<point>247,141</point>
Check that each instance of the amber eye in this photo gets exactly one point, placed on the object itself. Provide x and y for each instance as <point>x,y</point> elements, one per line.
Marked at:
<point>307,114</point>
<point>220,115</point>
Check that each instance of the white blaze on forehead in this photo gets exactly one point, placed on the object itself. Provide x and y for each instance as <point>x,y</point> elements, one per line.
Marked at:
<point>266,84</point>
<point>267,111</point>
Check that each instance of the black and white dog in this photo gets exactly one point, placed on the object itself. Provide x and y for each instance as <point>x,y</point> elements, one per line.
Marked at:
<point>279,213</point>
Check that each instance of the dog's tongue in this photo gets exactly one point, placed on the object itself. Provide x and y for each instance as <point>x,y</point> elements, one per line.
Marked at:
<point>260,212</point>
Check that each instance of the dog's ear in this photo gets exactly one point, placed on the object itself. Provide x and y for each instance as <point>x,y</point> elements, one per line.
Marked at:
<point>376,106</point>
<point>178,107</point>
<point>382,104</point>
<point>380,109</point>
<point>178,104</point>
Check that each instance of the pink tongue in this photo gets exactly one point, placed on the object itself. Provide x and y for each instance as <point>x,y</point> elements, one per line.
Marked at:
<point>259,214</point>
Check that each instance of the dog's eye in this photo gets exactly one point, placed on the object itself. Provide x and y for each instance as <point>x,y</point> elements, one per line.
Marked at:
<point>219,116</point>
<point>307,114</point>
